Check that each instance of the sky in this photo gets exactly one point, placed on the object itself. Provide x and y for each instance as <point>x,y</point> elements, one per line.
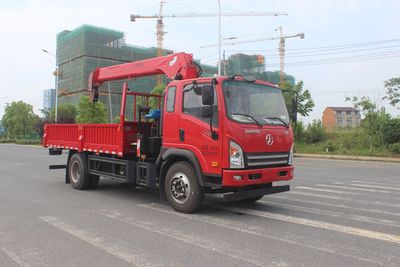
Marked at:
<point>350,47</point>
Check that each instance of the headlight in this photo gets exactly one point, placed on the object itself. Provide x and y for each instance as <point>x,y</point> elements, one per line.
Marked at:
<point>235,156</point>
<point>290,160</point>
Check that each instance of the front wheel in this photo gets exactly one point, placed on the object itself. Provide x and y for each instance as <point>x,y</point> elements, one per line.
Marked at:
<point>182,188</point>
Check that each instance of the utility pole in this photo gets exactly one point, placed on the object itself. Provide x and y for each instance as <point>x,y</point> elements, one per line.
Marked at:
<point>224,63</point>
<point>56,73</point>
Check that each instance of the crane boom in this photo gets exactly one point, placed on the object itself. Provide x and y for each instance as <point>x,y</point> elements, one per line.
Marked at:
<point>262,39</point>
<point>224,14</point>
<point>176,66</point>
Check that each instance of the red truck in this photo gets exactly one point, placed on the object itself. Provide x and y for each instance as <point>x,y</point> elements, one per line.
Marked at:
<point>227,135</point>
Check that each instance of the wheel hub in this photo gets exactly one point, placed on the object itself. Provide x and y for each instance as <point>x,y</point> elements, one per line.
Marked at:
<point>180,188</point>
<point>75,174</point>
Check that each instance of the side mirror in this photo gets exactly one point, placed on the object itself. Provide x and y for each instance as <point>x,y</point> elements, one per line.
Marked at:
<point>208,95</point>
<point>294,110</point>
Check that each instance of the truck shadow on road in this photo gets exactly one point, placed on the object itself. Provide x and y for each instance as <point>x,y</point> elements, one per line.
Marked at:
<point>213,204</point>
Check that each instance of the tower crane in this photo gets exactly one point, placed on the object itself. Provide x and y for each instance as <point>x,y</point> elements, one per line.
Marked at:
<point>160,24</point>
<point>281,39</point>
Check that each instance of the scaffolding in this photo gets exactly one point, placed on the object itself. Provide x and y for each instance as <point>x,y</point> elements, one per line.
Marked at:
<point>253,65</point>
<point>86,48</point>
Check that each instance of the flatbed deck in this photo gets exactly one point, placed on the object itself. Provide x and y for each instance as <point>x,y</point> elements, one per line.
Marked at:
<point>113,139</point>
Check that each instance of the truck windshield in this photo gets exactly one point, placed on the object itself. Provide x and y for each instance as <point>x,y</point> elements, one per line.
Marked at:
<point>253,103</point>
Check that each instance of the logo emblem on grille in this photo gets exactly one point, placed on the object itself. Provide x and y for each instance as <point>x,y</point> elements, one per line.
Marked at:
<point>269,139</point>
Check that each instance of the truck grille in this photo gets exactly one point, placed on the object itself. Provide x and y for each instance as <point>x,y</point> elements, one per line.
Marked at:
<point>265,160</point>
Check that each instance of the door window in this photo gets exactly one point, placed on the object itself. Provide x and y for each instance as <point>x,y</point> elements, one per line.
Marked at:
<point>192,103</point>
<point>171,99</point>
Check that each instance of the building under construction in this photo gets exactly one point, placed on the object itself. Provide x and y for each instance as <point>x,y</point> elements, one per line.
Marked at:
<point>82,50</point>
<point>87,47</point>
<point>253,65</point>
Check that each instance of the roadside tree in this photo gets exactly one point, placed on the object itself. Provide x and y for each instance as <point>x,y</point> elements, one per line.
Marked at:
<point>305,103</point>
<point>373,121</point>
<point>89,112</point>
<point>315,132</point>
<point>393,91</point>
<point>66,113</point>
<point>19,119</point>
<point>157,90</point>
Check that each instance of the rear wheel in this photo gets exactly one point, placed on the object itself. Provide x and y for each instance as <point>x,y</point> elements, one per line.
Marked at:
<point>77,173</point>
<point>182,188</point>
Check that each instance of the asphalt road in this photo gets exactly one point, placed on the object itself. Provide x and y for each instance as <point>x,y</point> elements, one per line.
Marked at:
<point>338,213</point>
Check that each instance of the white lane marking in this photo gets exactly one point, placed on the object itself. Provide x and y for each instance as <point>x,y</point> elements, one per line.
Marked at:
<point>257,231</point>
<point>112,246</point>
<point>378,203</point>
<point>325,190</point>
<point>322,225</point>
<point>335,205</point>
<point>19,164</point>
<point>313,195</point>
<point>375,183</point>
<point>334,214</point>
<point>354,189</point>
<point>376,186</point>
<point>17,259</point>
<point>189,238</point>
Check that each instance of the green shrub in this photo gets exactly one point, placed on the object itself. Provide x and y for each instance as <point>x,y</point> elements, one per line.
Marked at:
<point>330,146</point>
<point>28,142</point>
<point>394,148</point>
<point>4,141</point>
<point>390,131</point>
<point>315,132</point>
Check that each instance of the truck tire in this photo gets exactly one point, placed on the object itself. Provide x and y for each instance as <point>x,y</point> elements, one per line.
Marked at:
<point>77,173</point>
<point>182,188</point>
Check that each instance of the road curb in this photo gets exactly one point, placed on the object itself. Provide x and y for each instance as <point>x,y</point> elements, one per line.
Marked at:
<point>27,145</point>
<point>347,157</point>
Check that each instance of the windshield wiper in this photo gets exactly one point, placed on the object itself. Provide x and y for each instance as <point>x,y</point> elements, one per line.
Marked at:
<point>279,119</point>
<point>249,116</point>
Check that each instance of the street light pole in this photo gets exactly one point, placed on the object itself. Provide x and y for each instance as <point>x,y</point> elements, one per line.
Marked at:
<point>56,87</point>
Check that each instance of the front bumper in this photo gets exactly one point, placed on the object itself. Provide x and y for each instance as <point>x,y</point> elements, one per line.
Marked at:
<point>256,176</point>
<point>247,194</point>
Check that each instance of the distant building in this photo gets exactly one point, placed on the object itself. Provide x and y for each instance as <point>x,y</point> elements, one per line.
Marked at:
<point>49,99</point>
<point>341,117</point>
<point>252,65</point>
<point>2,130</point>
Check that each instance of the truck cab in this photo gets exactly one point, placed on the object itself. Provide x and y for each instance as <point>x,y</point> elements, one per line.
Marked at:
<point>239,138</point>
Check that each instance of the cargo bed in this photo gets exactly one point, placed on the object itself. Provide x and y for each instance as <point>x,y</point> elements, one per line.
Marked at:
<point>113,139</point>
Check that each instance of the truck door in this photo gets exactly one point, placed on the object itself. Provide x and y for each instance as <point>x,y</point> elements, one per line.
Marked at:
<point>170,117</point>
<point>194,131</point>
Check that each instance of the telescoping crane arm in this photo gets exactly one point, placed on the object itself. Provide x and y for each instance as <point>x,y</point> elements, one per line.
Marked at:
<point>178,66</point>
